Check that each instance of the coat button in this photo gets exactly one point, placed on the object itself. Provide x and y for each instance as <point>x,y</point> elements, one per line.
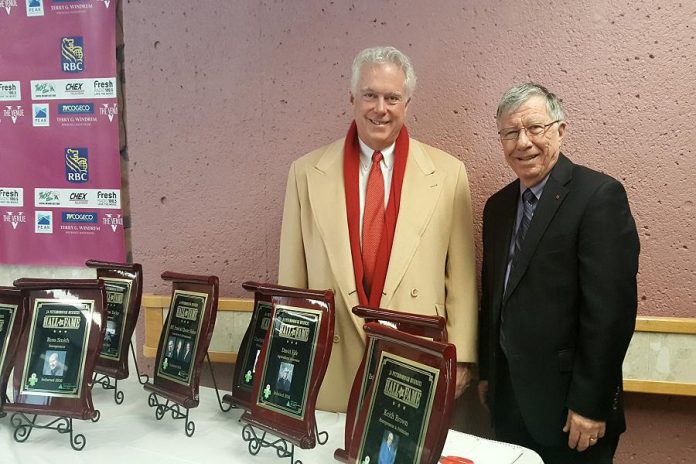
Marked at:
<point>414,292</point>
<point>336,339</point>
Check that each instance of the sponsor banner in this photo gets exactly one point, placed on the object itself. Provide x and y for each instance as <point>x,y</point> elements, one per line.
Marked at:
<point>10,91</point>
<point>65,89</point>
<point>59,133</point>
<point>77,198</point>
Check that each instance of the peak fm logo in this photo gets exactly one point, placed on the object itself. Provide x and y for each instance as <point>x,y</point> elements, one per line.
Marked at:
<point>44,222</point>
<point>8,5</point>
<point>113,220</point>
<point>14,219</point>
<point>109,110</point>
<point>40,112</point>
<point>14,113</point>
<point>72,53</point>
<point>76,165</point>
<point>35,8</point>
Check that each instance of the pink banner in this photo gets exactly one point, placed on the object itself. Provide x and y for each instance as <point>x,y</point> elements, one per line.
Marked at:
<point>60,175</point>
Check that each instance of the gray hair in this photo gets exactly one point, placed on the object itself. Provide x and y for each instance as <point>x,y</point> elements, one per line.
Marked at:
<point>384,55</point>
<point>516,96</point>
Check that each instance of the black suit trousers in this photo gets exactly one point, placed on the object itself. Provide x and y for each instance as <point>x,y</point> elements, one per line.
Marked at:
<point>510,427</point>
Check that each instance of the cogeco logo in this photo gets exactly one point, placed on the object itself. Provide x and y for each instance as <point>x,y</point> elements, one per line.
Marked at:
<point>84,218</point>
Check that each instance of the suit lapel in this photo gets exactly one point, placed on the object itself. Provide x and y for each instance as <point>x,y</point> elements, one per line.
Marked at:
<point>551,199</point>
<point>502,229</point>
<point>328,202</point>
<point>421,189</point>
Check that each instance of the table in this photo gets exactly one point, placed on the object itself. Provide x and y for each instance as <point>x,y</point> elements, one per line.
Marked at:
<point>129,433</point>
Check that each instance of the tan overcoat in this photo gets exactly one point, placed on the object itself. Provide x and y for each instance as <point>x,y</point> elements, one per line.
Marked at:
<point>431,268</point>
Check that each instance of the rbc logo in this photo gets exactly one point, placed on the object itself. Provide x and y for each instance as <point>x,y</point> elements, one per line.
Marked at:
<point>72,54</point>
<point>76,166</point>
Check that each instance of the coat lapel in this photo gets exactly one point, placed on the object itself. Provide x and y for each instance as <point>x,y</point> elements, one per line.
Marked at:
<point>502,230</point>
<point>551,199</point>
<point>421,189</point>
<point>328,200</point>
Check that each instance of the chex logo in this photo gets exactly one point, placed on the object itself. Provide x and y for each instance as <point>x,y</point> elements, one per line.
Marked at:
<point>44,222</point>
<point>85,218</point>
<point>40,112</point>
<point>76,108</point>
<point>35,8</point>
<point>15,219</point>
<point>75,88</point>
<point>10,91</point>
<point>8,5</point>
<point>13,112</point>
<point>11,196</point>
<point>109,110</point>
<point>113,220</point>
<point>72,54</point>
<point>76,165</point>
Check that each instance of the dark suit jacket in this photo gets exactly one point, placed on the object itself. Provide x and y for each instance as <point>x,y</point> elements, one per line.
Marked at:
<point>570,306</point>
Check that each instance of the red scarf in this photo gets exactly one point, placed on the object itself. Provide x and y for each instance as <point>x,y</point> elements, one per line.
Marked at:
<point>351,181</point>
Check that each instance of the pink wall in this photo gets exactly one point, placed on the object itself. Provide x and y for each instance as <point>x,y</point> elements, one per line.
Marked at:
<point>222,96</point>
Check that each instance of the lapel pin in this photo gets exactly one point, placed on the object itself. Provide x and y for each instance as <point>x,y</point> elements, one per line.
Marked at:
<point>558,196</point>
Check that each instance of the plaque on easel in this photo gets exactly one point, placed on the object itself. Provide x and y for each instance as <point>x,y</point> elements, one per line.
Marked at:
<point>183,345</point>
<point>11,320</point>
<point>124,287</point>
<point>249,351</point>
<point>57,351</point>
<point>289,368</point>
<point>433,327</point>
<point>406,411</point>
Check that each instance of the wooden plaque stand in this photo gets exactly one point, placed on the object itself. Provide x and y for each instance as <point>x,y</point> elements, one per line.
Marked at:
<point>56,355</point>
<point>289,369</point>
<point>183,345</point>
<point>407,407</point>
<point>433,327</point>
<point>11,322</point>
<point>250,349</point>
<point>124,288</point>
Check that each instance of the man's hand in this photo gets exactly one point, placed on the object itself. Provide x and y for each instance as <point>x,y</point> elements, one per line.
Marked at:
<point>483,393</point>
<point>463,379</point>
<point>582,431</point>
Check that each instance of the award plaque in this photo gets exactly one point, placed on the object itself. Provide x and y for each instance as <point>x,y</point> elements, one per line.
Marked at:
<point>124,286</point>
<point>184,344</point>
<point>58,348</point>
<point>433,327</point>
<point>406,411</point>
<point>249,351</point>
<point>11,312</point>
<point>291,364</point>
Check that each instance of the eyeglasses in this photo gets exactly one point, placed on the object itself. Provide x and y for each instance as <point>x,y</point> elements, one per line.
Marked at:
<point>534,130</point>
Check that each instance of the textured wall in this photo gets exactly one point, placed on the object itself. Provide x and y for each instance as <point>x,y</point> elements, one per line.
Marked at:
<point>223,95</point>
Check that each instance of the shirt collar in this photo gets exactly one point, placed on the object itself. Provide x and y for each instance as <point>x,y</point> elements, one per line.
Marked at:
<point>366,155</point>
<point>537,189</point>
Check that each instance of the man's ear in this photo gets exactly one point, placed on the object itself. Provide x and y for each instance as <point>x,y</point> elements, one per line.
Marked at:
<point>352,98</point>
<point>561,130</point>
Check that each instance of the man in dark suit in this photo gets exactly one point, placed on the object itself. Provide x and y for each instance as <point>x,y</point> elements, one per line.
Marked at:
<point>560,257</point>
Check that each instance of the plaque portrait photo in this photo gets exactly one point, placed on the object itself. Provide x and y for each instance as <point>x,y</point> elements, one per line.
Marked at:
<point>183,330</point>
<point>289,359</point>
<point>117,299</point>
<point>399,411</point>
<point>57,347</point>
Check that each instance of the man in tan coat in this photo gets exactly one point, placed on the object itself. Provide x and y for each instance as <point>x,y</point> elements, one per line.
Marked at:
<point>384,220</point>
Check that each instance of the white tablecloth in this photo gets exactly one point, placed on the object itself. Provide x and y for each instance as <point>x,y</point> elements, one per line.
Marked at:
<point>130,434</point>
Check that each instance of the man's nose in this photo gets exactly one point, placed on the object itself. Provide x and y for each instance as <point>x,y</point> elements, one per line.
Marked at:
<point>523,139</point>
<point>380,105</point>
